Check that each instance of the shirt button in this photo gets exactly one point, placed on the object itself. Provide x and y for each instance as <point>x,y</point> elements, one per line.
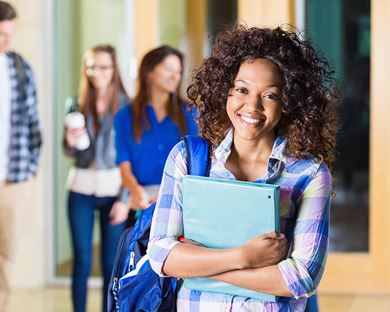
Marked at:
<point>160,147</point>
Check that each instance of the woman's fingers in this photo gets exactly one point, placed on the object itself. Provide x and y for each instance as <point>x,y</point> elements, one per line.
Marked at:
<point>273,235</point>
<point>119,213</point>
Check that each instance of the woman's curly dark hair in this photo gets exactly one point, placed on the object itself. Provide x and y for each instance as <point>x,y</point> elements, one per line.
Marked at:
<point>308,98</point>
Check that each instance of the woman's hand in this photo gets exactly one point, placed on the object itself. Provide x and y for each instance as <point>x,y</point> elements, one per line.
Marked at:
<point>119,213</point>
<point>71,136</point>
<point>139,199</point>
<point>264,250</point>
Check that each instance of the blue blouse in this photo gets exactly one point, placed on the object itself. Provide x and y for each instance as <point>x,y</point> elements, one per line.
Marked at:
<point>148,157</point>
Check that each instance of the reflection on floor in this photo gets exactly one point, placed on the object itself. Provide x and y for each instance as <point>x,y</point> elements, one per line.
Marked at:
<point>58,300</point>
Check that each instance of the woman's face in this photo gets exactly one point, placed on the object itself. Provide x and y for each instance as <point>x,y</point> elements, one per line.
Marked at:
<point>99,68</point>
<point>166,75</point>
<point>254,102</point>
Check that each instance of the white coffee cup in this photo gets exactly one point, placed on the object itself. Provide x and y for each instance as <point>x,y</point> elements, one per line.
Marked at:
<point>76,120</point>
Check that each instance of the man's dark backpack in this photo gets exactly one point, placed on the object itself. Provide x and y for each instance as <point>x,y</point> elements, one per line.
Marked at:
<point>134,286</point>
<point>18,61</point>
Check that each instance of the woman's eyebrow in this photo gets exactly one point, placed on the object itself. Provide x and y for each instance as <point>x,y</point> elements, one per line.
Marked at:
<point>276,85</point>
<point>240,80</point>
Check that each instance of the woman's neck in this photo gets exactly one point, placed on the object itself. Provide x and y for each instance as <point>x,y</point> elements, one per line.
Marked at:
<point>159,100</point>
<point>248,159</point>
<point>253,150</point>
<point>103,101</point>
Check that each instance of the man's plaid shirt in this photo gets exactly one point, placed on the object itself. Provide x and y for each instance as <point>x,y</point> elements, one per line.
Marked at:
<point>25,134</point>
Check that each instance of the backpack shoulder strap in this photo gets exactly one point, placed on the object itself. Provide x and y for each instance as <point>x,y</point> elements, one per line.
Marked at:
<point>198,155</point>
<point>19,71</point>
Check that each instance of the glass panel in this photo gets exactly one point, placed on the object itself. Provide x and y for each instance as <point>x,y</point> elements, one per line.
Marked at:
<point>340,29</point>
<point>220,13</point>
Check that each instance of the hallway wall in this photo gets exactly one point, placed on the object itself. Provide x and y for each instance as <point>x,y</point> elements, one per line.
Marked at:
<point>34,41</point>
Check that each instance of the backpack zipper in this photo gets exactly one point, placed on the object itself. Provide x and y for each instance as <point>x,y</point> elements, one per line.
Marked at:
<point>131,262</point>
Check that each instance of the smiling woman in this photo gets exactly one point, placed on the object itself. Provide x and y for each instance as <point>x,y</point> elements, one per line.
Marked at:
<point>254,109</point>
<point>99,68</point>
<point>147,129</point>
<point>263,125</point>
<point>254,100</point>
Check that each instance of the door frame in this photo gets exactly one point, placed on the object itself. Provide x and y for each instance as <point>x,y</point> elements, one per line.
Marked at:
<point>370,272</point>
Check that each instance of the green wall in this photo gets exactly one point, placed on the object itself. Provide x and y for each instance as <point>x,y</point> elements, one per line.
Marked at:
<point>67,64</point>
<point>172,30</point>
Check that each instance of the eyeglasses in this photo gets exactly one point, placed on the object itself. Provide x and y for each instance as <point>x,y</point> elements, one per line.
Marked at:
<point>93,70</point>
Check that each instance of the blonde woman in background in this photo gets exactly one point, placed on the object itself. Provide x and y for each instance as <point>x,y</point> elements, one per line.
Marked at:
<point>94,181</point>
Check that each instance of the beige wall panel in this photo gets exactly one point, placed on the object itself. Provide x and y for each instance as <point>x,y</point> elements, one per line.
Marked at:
<point>266,13</point>
<point>196,31</point>
<point>33,40</point>
<point>146,24</point>
<point>380,130</point>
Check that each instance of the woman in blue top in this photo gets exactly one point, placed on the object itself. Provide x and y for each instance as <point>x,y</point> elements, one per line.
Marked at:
<point>147,130</point>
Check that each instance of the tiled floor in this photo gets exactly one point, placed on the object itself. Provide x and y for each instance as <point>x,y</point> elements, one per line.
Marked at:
<point>58,300</point>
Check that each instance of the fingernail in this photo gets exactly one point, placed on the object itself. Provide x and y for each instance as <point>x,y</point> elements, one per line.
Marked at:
<point>181,238</point>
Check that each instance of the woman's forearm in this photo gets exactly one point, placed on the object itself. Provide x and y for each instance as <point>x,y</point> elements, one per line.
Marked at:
<point>128,178</point>
<point>268,280</point>
<point>188,260</point>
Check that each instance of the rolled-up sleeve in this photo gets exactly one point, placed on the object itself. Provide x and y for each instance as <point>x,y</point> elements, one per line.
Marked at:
<point>167,224</point>
<point>303,270</point>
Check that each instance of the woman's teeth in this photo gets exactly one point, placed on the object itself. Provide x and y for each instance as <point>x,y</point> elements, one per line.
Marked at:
<point>250,120</point>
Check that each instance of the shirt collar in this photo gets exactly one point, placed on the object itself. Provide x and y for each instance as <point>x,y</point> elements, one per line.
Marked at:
<point>223,150</point>
<point>279,148</point>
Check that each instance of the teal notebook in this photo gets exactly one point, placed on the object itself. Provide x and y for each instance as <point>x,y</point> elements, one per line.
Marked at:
<point>220,213</point>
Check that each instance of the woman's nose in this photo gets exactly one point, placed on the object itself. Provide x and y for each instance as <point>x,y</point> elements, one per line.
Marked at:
<point>255,102</point>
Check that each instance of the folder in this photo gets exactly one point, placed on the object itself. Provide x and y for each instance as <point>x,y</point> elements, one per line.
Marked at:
<point>219,213</point>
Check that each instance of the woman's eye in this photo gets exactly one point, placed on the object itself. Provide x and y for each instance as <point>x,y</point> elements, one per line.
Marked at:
<point>242,90</point>
<point>272,96</point>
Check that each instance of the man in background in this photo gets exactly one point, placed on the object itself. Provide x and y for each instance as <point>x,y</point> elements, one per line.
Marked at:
<point>20,141</point>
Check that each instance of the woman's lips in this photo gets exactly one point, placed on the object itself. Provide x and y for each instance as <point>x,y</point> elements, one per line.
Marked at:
<point>251,120</point>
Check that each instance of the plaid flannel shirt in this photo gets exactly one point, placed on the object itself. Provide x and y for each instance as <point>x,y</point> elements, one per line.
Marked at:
<point>305,188</point>
<point>25,134</point>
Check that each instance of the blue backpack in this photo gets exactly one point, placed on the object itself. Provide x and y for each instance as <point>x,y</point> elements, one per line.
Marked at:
<point>134,286</point>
